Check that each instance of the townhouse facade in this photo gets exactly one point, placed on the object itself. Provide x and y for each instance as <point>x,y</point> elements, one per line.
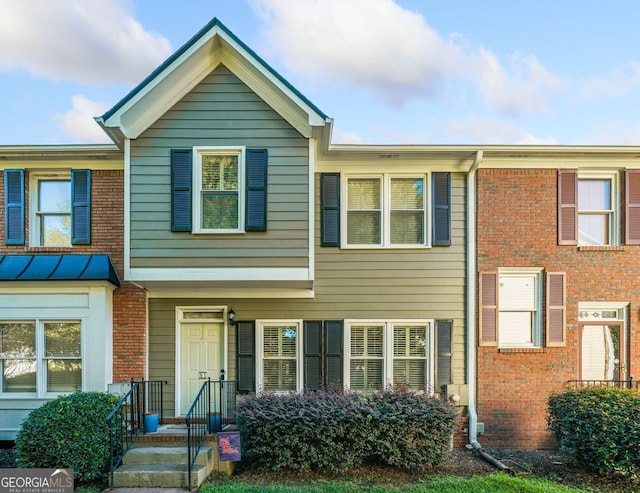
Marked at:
<point>222,234</point>
<point>558,265</point>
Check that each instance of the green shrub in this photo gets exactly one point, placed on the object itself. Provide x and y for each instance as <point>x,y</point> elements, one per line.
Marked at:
<point>336,430</point>
<point>599,427</point>
<point>68,432</point>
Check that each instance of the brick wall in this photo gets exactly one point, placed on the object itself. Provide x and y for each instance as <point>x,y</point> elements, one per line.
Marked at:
<point>107,237</point>
<point>517,227</point>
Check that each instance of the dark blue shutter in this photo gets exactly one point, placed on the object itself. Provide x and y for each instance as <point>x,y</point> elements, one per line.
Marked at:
<point>14,206</point>
<point>80,207</point>
<point>181,175</point>
<point>312,355</point>
<point>443,342</point>
<point>246,344</point>
<point>441,208</point>
<point>256,217</point>
<point>333,336</point>
<point>330,209</point>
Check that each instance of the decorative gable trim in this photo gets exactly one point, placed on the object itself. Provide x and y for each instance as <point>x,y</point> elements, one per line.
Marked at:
<point>211,46</point>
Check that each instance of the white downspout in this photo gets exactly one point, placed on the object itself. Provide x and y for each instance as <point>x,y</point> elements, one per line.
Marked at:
<point>471,300</point>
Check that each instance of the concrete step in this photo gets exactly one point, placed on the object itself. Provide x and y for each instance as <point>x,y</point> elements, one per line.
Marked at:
<point>163,475</point>
<point>166,454</point>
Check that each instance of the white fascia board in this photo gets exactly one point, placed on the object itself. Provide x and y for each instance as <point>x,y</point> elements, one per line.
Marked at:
<point>314,119</point>
<point>162,92</point>
<point>230,293</point>
<point>219,274</point>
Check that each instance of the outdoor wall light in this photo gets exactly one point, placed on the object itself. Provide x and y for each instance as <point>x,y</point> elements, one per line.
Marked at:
<point>232,318</point>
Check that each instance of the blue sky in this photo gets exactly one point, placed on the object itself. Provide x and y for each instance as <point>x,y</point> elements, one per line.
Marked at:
<point>387,71</point>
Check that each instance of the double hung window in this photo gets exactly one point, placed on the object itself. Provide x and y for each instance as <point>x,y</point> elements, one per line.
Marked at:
<point>40,356</point>
<point>218,180</point>
<point>596,212</point>
<point>51,210</point>
<point>389,353</point>
<point>281,352</point>
<point>386,211</point>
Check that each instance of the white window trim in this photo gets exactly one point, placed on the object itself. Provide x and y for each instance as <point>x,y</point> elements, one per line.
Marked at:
<point>35,239</point>
<point>536,273</point>
<point>259,351</point>
<point>615,223</point>
<point>41,367</point>
<point>385,179</point>
<point>387,348</point>
<point>198,152</point>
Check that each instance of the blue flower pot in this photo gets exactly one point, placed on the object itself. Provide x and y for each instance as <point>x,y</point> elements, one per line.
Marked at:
<point>215,422</point>
<point>151,422</point>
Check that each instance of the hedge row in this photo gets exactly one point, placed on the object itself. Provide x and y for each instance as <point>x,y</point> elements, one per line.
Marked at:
<point>338,430</point>
<point>599,426</point>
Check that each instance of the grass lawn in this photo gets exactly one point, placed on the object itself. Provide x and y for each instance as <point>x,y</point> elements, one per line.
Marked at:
<point>493,483</point>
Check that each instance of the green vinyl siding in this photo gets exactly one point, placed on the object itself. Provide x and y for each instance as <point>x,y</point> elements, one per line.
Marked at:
<point>221,111</point>
<point>381,284</point>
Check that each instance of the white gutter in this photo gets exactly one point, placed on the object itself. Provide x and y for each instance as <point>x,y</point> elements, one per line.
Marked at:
<point>471,300</point>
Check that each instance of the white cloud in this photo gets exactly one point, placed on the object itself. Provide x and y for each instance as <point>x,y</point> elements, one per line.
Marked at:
<point>620,83</point>
<point>524,89</point>
<point>394,52</point>
<point>339,136</point>
<point>95,42</point>
<point>78,122</point>
<point>481,130</point>
<point>371,43</point>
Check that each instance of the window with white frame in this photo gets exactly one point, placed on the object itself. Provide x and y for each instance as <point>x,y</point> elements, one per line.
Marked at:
<point>598,216</point>
<point>218,179</point>
<point>51,210</point>
<point>389,353</point>
<point>40,356</point>
<point>519,308</point>
<point>280,356</point>
<point>386,211</point>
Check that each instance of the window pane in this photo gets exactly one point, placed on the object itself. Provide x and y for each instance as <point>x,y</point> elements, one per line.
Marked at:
<point>54,196</point>
<point>517,293</point>
<point>407,193</point>
<point>219,211</point>
<point>594,195</point>
<point>55,230</point>
<point>600,352</point>
<point>19,375</point>
<point>364,194</point>
<point>365,374</point>
<point>366,341</point>
<point>515,328</point>
<point>409,341</point>
<point>593,229</point>
<point>279,375</point>
<point>18,340</point>
<point>280,341</point>
<point>407,227</point>
<point>64,375</point>
<point>411,372</point>
<point>220,172</point>
<point>62,339</point>
<point>363,228</point>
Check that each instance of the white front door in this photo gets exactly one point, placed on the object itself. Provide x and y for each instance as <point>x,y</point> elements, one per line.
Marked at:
<point>200,358</point>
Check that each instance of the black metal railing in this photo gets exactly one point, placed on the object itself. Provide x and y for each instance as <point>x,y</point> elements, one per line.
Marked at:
<point>126,421</point>
<point>197,421</point>
<point>622,384</point>
<point>212,410</point>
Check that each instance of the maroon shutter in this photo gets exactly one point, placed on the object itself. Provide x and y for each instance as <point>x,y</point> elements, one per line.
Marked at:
<point>488,309</point>
<point>567,207</point>
<point>632,207</point>
<point>556,309</point>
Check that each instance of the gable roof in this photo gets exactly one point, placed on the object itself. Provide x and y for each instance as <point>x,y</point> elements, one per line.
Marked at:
<point>213,45</point>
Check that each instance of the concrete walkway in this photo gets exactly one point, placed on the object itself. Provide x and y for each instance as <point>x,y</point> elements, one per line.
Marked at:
<point>145,490</point>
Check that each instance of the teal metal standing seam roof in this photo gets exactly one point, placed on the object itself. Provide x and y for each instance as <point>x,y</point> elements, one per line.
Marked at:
<point>66,267</point>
